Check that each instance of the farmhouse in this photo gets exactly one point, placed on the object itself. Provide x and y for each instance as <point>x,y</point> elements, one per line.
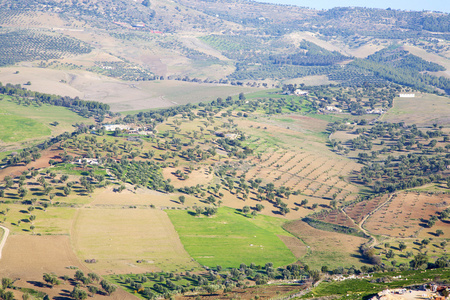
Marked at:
<point>299,92</point>
<point>333,108</point>
<point>112,127</point>
<point>407,95</point>
<point>376,111</point>
<point>89,161</point>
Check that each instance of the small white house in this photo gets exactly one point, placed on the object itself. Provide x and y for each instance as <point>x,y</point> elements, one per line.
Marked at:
<point>299,92</point>
<point>333,108</point>
<point>407,95</point>
<point>89,161</point>
<point>112,127</point>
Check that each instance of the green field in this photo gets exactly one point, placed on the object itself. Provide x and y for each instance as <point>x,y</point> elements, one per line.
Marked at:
<point>15,129</point>
<point>216,240</point>
<point>20,122</point>
<point>70,169</point>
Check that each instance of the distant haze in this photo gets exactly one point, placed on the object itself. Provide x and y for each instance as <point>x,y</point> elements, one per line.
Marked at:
<point>419,5</point>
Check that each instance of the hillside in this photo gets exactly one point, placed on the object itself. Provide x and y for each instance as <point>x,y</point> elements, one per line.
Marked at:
<point>221,149</point>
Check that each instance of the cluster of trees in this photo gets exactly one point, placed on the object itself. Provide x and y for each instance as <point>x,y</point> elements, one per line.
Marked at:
<point>396,57</point>
<point>143,173</point>
<point>434,23</point>
<point>404,69</point>
<point>309,55</point>
<point>26,156</point>
<point>419,261</point>
<point>26,97</point>
<point>407,171</point>
<point>123,70</point>
<point>27,45</point>
<point>425,159</point>
<point>167,284</point>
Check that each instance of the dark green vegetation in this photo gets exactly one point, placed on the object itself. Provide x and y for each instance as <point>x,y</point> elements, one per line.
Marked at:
<point>333,227</point>
<point>397,65</point>
<point>396,156</point>
<point>217,279</point>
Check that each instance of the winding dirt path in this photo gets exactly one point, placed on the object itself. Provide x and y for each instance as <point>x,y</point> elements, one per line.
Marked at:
<point>3,242</point>
<point>361,224</point>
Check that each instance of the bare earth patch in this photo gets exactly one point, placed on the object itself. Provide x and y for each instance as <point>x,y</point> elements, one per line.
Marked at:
<point>42,162</point>
<point>129,240</point>
<point>26,258</point>
<point>406,215</point>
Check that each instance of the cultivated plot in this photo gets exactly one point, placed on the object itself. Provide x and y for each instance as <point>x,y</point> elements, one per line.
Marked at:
<point>129,240</point>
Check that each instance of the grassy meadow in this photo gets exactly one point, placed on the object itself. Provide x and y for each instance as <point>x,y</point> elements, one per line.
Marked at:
<point>216,240</point>
<point>29,122</point>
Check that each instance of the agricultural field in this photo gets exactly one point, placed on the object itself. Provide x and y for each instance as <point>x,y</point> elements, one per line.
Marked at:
<point>248,186</point>
<point>24,122</point>
<point>122,96</point>
<point>330,249</point>
<point>335,216</point>
<point>215,241</point>
<point>423,110</point>
<point>104,234</point>
<point>357,211</point>
<point>407,214</point>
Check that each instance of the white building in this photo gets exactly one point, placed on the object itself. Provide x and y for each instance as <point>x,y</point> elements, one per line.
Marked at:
<point>112,127</point>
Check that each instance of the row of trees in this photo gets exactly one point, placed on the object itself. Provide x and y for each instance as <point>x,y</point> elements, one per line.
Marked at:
<point>86,108</point>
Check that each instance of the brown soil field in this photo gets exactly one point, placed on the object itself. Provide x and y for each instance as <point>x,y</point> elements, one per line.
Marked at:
<point>141,197</point>
<point>365,50</point>
<point>295,245</point>
<point>26,258</point>
<point>312,173</point>
<point>327,248</point>
<point>200,176</point>
<point>422,110</point>
<point>336,216</point>
<point>359,210</point>
<point>407,213</point>
<point>106,235</point>
<point>42,162</point>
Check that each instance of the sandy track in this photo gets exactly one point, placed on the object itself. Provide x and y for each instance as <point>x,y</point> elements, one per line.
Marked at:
<point>3,242</point>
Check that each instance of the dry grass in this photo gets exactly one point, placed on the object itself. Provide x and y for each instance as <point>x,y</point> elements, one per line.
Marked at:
<point>117,238</point>
<point>422,110</point>
<point>327,248</point>
<point>120,95</point>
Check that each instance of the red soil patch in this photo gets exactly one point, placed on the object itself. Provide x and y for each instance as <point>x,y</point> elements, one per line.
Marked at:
<point>407,213</point>
<point>359,210</point>
<point>336,216</point>
<point>42,162</point>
